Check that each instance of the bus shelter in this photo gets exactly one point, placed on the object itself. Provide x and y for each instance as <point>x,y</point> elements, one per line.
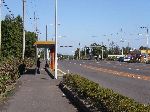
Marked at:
<point>47,45</point>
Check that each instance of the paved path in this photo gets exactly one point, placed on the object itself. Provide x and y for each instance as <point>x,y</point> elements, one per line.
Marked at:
<point>38,93</point>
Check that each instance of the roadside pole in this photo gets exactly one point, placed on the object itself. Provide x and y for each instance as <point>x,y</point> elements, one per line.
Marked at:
<point>102,53</point>
<point>0,24</point>
<point>56,25</point>
<point>23,51</point>
<point>147,39</point>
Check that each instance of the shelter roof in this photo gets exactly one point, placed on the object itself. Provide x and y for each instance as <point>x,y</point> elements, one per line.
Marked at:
<point>45,44</point>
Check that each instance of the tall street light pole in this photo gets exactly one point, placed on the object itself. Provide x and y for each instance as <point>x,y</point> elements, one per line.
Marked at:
<point>147,40</point>
<point>23,51</point>
<point>0,23</point>
<point>56,25</point>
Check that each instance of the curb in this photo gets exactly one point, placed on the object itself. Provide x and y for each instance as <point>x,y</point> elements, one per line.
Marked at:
<point>74,99</point>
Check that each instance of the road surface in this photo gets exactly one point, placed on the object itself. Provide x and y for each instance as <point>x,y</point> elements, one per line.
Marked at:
<point>128,79</point>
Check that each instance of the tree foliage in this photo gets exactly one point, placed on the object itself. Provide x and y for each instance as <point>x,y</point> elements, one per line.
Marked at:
<point>12,38</point>
<point>96,50</point>
<point>30,39</point>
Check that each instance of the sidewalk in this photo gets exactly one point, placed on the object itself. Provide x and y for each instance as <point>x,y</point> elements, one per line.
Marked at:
<point>38,93</point>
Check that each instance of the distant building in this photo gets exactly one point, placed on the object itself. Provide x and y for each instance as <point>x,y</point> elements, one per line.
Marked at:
<point>145,51</point>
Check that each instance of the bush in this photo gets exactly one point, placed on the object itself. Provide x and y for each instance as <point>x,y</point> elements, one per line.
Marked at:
<point>101,98</point>
<point>9,71</point>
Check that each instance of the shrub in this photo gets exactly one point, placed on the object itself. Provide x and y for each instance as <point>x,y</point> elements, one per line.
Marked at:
<point>9,71</point>
<point>101,98</point>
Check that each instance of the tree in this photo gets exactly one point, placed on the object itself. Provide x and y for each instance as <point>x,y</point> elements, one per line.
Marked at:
<point>30,40</point>
<point>12,36</point>
<point>76,55</point>
<point>97,50</point>
<point>114,49</point>
<point>143,48</point>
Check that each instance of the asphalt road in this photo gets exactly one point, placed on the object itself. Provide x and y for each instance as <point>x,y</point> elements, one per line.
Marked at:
<point>128,79</point>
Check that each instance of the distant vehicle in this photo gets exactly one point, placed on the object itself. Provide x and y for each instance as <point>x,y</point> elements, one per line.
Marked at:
<point>121,59</point>
<point>124,59</point>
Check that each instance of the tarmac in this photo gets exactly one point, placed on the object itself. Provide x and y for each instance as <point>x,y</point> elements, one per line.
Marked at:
<point>38,93</point>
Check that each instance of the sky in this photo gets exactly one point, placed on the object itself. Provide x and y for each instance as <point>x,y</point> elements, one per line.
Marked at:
<point>86,21</point>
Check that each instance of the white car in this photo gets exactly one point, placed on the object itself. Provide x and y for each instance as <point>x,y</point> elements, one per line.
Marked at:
<point>126,59</point>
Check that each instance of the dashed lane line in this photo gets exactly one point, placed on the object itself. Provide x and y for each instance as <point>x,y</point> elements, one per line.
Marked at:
<point>114,72</point>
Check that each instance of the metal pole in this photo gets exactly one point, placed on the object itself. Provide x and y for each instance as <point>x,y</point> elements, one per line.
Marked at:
<point>0,24</point>
<point>55,39</point>
<point>147,38</point>
<point>85,51</point>
<point>46,56</point>
<point>46,32</point>
<point>102,53</point>
<point>122,40</point>
<point>79,54</point>
<point>122,51</point>
<point>23,52</point>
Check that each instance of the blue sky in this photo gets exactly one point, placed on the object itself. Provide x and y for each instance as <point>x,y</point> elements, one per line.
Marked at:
<point>87,21</point>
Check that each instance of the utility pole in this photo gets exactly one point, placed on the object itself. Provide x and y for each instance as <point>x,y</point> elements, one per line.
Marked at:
<point>147,39</point>
<point>0,24</point>
<point>46,32</point>
<point>102,51</point>
<point>56,25</point>
<point>23,52</point>
<point>46,50</point>
<point>122,41</point>
<point>85,51</point>
<point>79,52</point>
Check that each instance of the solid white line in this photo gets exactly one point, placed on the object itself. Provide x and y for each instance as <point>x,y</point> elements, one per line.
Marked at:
<point>61,71</point>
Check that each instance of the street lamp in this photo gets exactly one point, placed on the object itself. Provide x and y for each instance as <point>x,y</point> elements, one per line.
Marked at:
<point>56,39</point>
<point>0,23</point>
<point>147,40</point>
<point>122,47</point>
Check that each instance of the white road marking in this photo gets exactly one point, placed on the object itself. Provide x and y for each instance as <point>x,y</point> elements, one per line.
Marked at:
<point>75,63</point>
<point>137,69</point>
<point>129,68</point>
<point>61,71</point>
<point>68,71</point>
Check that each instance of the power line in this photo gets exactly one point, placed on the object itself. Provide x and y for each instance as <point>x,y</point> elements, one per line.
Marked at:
<point>7,8</point>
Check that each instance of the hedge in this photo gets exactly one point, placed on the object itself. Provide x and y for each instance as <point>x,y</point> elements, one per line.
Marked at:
<point>105,100</point>
<point>9,71</point>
